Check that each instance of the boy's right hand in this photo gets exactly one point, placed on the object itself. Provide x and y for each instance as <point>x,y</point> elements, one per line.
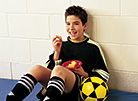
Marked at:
<point>57,43</point>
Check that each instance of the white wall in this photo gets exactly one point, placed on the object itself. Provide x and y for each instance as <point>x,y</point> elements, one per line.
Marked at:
<point>27,27</point>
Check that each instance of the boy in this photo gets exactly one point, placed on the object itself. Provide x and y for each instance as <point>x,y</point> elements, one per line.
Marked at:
<point>57,79</point>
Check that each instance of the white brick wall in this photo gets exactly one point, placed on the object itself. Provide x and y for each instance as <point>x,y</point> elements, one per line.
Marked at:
<point>47,6</point>
<point>100,7</point>
<point>18,69</point>
<point>14,50</point>
<point>55,28</point>
<point>27,28</point>
<point>5,70</point>
<point>129,7</point>
<point>13,6</point>
<point>3,25</point>
<point>117,30</point>
<point>40,50</point>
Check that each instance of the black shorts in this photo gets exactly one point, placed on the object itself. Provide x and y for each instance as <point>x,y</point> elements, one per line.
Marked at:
<point>75,94</point>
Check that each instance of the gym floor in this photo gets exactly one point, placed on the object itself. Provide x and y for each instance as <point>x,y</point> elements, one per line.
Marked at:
<point>6,85</point>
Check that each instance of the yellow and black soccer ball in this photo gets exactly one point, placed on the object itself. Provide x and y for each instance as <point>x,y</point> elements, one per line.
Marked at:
<point>94,89</point>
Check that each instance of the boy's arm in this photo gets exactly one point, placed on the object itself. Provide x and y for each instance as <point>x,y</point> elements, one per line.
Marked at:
<point>57,44</point>
<point>51,62</point>
<point>100,68</point>
<point>56,56</point>
<point>54,59</point>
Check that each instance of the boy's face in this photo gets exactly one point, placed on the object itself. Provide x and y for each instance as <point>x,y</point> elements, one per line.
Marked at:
<point>75,28</point>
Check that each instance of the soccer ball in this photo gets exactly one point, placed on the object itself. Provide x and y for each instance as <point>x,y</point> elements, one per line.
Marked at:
<point>93,89</point>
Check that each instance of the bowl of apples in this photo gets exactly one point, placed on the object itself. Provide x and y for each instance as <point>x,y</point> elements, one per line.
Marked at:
<point>72,64</point>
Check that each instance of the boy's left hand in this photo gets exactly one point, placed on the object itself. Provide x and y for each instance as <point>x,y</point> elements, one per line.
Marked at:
<point>81,71</point>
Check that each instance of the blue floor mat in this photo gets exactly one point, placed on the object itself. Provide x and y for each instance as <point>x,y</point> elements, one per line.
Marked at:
<point>6,85</point>
<point>122,96</point>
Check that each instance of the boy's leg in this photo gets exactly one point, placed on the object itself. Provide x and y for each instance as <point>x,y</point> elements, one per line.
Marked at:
<point>61,80</point>
<point>41,94</point>
<point>23,88</point>
<point>27,82</point>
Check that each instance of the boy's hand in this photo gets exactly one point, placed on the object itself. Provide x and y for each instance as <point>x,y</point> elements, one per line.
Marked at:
<point>81,71</point>
<point>57,43</point>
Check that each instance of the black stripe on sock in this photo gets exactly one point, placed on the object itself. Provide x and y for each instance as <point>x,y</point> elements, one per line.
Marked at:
<point>57,78</point>
<point>26,84</point>
<point>28,81</point>
<point>57,83</point>
<point>54,82</point>
<point>24,78</point>
<point>32,78</point>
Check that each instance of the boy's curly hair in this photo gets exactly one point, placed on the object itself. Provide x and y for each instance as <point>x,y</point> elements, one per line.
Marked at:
<point>77,11</point>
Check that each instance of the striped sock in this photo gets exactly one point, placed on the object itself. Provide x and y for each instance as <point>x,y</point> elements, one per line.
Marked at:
<point>23,88</point>
<point>55,89</point>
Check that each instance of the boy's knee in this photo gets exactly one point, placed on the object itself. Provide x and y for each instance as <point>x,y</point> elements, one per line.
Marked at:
<point>37,71</point>
<point>58,70</point>
<point>37,68</point>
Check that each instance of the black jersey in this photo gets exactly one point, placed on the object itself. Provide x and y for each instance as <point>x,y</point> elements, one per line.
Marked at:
<point>86,51</point>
